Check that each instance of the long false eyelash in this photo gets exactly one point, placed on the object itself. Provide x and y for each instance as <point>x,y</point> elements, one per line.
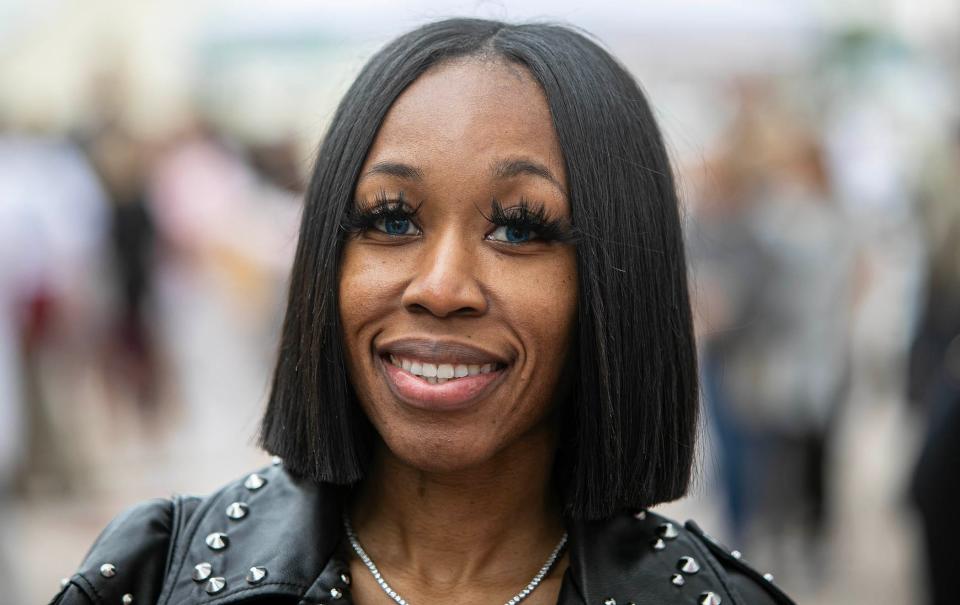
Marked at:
<point>532,216</point>
<point>360,218</point>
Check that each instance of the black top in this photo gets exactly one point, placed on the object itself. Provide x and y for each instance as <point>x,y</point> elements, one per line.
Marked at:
<point>290,531</point>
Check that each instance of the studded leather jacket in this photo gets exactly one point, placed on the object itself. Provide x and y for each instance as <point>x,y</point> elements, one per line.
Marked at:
<point>274,539</point>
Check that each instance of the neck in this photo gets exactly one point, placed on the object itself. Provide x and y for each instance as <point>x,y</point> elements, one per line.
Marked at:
<point>489,524</point>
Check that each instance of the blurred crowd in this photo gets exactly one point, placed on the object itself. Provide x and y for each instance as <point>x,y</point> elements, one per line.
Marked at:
<point>810,294</point>
<point>106,240</point>
<point>101,232</point>
<point>825,248</point>
<point>139,270</point>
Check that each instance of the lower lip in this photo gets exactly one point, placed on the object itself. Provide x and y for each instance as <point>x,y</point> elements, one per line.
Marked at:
<point>455,394</point>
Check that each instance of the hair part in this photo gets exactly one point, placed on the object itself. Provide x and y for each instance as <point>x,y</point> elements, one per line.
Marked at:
<point>628,431</point>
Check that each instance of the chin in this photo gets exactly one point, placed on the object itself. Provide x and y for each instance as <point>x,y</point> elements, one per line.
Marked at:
<point>432,453</point>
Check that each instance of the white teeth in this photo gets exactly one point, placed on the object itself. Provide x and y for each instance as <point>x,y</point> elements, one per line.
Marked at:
<point>439,373</point>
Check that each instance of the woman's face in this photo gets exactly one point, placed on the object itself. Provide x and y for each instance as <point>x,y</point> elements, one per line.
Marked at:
<point>457,291</point>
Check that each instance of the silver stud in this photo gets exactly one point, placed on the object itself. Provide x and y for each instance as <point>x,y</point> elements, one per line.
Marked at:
<point>215,585</point>
<point>610,602</point>
<point>217,540</point>
<point>768,577</point>
<point>677,580</point>
<point>640,515</point>
<point>688,565</point>
<point>709,598</point>
<point>659,544</point>
<point>256,575</point>
<point>668,531</point>
<point>336,592</point>
<point>345,578</point>
<point>64,582</point>
<point>201,571</point>
<point>254,482</point>
<point>736,554</point>
<point>127,599</point>
<point>237,510</point>
<point>276,461</point>
<point>108,570</point>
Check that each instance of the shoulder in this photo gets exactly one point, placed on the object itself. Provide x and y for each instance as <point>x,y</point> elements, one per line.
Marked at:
<point>750,584</point>
<point>647,558</point>
<point>130,555</point>
<point>184,549</point>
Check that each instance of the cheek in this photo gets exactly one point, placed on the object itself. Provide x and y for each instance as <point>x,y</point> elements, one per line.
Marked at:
<point>362,302</point>
<point>364,283</point>
<point>544,301</point>
<point>540,304</point>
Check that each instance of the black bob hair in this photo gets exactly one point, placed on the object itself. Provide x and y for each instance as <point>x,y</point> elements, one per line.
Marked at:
<point>629,429</point>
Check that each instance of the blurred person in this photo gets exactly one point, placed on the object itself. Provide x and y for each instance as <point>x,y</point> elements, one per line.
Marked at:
<point>934,380</point>
<point>875,123</point>
<point>487,370</point>
<point>727,260</point>
<point>52,224</point>
<point>132,360</point>
<point>939,321</point>
<point>778,280</point>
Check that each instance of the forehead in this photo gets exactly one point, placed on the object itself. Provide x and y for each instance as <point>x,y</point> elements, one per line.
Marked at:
<point>469,113</point>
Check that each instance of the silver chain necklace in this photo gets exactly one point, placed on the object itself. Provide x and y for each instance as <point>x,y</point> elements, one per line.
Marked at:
<point>523,594</point>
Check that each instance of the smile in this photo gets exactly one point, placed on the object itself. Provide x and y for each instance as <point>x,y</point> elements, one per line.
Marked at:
<point>440,386</point>
<point>439,373</point>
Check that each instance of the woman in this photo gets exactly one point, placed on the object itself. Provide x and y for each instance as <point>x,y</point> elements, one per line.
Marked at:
<point>486,371</point>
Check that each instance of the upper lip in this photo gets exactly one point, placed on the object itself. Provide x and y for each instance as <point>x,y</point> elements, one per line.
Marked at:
<point>440,351</point>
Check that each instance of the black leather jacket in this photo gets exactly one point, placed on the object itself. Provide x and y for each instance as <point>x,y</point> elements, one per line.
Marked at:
<point>289,530</point>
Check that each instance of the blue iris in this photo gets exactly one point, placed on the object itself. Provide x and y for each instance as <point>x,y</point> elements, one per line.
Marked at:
<point>517,234</point>
<point>396,226</point>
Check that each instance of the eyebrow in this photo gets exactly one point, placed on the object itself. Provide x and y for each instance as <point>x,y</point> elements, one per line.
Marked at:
<point>512,167</point>
<point>501,169</point>
<point>396,169</point>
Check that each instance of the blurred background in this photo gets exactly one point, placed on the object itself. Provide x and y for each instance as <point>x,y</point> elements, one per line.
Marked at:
<point>152,160</point>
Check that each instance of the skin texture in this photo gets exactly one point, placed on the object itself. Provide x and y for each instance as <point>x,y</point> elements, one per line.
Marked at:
<point>460,502</point>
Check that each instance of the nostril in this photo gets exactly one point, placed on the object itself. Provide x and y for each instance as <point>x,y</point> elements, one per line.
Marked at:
<point>467,311</point>
<point>439,312</point>
<point>417,308</point>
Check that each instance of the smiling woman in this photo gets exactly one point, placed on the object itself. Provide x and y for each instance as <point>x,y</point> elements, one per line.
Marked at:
<point>487,369</point>
<point>472,276</point>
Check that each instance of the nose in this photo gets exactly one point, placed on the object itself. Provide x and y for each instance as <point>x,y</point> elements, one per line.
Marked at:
<point>445,283</point>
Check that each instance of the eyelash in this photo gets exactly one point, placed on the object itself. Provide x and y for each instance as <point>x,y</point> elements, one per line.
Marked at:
<point>524,216</point>
<point>533,217</point>
<point>359,220</point>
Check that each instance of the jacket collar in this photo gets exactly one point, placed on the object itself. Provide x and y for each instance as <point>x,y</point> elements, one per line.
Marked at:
<point>292,529</point>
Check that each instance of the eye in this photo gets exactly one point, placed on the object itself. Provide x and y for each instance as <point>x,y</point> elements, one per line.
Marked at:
<point>395,226</point>
<point>526,222</point>
<point>512,234</point>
